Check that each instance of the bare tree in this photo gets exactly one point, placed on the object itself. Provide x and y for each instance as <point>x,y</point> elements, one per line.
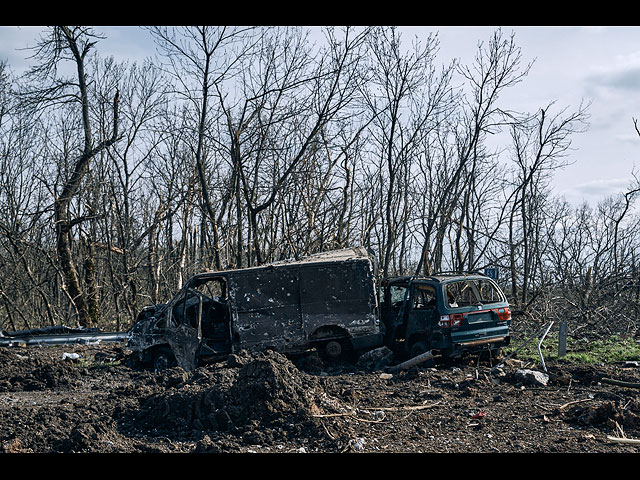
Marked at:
<point>199,59</point>
<point>73,44</point>
<point>408,97</point>
<point>540,146</point>
<point>285,108</point>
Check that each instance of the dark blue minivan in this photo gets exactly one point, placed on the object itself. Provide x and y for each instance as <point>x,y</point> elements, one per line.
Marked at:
<point>451,314</point>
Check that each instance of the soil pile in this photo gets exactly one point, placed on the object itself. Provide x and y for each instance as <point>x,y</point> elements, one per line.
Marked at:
<point>250,397</point>
<point>26,373</point>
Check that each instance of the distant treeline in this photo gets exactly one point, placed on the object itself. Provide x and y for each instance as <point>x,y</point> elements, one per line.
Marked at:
<point>237,146</point>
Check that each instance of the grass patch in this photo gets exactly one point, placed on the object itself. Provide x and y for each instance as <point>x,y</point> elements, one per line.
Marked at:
<point>94,364</point>
<point>610,350</point>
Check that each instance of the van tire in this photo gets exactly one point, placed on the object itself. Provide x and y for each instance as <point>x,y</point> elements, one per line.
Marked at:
<point>162,359</point>
<point>333,349</point>
<point>417,348</point>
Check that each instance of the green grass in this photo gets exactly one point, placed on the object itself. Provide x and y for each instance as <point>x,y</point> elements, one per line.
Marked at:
<point>93,364</point>
<point>610,350</point>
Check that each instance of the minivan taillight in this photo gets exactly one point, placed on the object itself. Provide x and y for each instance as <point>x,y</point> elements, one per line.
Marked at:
<point>453,320</point>
<point>504,314</point>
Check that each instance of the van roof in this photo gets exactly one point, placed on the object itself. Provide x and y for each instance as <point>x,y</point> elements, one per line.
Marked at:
<point>342,255</point>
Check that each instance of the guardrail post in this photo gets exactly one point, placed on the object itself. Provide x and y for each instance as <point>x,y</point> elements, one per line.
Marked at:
<point>562,339</point>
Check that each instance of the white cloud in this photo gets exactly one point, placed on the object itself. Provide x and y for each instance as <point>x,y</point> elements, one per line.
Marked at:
<point>630,138</point>
<point>594,191</point>
<point>622,75</point>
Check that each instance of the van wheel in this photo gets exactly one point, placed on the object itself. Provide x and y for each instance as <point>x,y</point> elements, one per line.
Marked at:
<point>417,348</point>
<point>333,349</point>
<point>162,360</point>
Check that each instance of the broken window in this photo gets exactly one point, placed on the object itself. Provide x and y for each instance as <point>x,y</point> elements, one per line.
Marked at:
<point>489,293</point>
<point>460,294</point>
<point>212,288</point>
<point>465,293</point>
<point>424,297</point>
<point>185,309</point>
<point>204,300</point>
<point>215,316</point>
<point>397,294</point>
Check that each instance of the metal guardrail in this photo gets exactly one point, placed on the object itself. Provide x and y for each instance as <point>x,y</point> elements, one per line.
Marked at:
<point>62,339</point>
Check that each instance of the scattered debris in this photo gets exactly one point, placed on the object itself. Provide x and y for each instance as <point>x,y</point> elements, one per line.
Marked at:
<point>357,444</point>
<point>632,441</point>
<point>568,404</point>
<point>622,438</point>
<point>423,357</point>
<point>532,377</point>
<point>70,356</point>
<point>620,383</point>
<point>265,402</point>
<point>376,359</point>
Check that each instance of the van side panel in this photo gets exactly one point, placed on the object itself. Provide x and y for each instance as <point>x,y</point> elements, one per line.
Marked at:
<point>266,309</point>
<point>339,295</point>
<point>283,307</point>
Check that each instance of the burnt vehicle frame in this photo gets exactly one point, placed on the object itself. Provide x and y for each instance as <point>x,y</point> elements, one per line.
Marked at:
<point>418,314</point>
<point>326,301</point>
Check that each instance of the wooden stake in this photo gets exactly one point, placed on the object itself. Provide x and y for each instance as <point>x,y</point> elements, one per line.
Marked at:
<point>633,441</point>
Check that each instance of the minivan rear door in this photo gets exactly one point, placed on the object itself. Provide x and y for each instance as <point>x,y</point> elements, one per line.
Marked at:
<point>474,306</point>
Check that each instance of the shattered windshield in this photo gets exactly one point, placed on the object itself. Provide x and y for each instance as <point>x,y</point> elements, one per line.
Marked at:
<point>397,294</point>
<point>187,307</point>
<point>212,288</point>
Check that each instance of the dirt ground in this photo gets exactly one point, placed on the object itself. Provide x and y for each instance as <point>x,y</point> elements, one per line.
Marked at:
<point>268,403</point>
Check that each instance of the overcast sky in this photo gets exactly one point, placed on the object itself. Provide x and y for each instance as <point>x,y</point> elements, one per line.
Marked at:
<point>600,65</point>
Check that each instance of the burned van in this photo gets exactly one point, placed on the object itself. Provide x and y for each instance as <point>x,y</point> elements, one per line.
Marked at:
<point>451,314</point>
<point>327,301</point>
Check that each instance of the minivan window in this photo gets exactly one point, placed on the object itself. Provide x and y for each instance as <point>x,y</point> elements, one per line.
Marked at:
<point>466,293</point>
<point>397,293</point>
<point>424,296</point>
<point>460,294</point>
<point>488,292</point>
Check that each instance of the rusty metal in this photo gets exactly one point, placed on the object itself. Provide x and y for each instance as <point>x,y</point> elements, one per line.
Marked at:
<point>482,341</point>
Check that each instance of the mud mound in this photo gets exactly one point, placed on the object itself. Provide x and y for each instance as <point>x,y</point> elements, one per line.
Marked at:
<point>607,414</point>
<point>271,389</point>
<point>26,373</point>
<point>261,395</point>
